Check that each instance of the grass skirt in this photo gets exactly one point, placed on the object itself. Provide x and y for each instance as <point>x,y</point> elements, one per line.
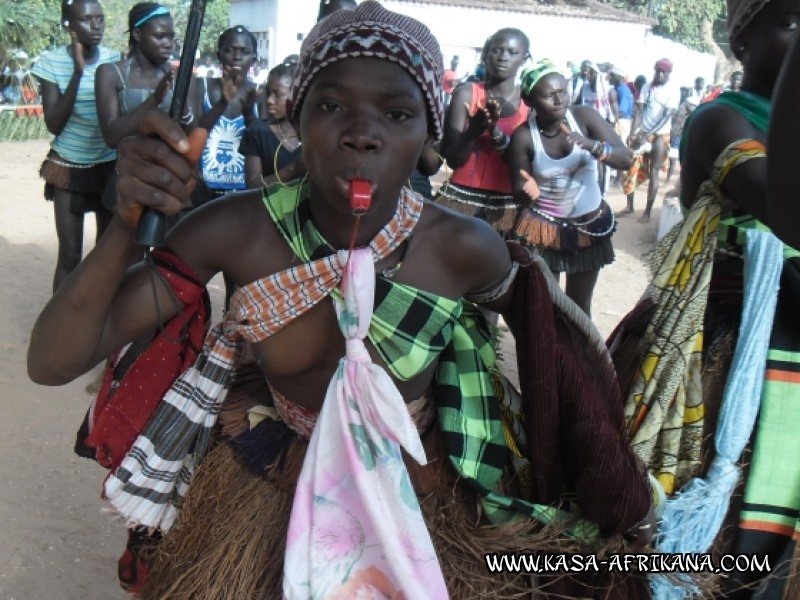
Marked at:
<point>499,210</point>
<point>230,537</point>
<point>569,246</point>
<point>87,183</point>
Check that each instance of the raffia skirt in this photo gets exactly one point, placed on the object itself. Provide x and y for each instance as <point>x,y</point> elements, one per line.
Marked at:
<point>229,540</point>
<point>497,209</point>
<point>86,182</point>
<point>577,245</point>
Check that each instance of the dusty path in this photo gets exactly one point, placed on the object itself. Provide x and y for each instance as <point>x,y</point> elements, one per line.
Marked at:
<point>57,541</point>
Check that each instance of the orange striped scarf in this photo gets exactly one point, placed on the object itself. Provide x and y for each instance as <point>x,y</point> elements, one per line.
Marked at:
<point>149,486</point>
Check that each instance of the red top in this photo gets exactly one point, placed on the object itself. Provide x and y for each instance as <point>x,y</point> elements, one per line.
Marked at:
<point>449,82</point>
<point>485,168</point>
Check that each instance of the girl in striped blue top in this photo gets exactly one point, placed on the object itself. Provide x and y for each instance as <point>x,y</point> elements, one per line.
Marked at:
<point>79,164</point>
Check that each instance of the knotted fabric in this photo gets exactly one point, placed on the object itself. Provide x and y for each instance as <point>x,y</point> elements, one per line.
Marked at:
<point>131,390</point>
<point>693,517</point>
<point>149,486</point>
<point>356,526</point>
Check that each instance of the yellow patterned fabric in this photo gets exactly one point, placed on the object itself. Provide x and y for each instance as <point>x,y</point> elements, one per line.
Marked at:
<point>664,408</point>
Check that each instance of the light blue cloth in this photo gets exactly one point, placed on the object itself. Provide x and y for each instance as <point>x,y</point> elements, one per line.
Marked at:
<point>692,518</point>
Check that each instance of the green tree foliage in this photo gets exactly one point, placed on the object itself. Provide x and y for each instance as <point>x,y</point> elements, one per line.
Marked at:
<point>215,22</point>
<point>29,25</point>
<point>686,21</point>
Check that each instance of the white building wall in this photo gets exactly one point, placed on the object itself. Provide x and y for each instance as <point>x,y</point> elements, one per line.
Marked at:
<point>689,64</point>
<point>558,38</point>
<point>296,18</point>
<point>462,31</point>
<point>277,24</point>
<point>261,18</point>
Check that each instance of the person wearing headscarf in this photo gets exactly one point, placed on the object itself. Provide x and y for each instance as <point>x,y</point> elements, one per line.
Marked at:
<point>564,217</point>
<point>649,139</point>
<point>373,447</point>
<point>143,79</point>
<point>715,415</point>
<point>125,90</point>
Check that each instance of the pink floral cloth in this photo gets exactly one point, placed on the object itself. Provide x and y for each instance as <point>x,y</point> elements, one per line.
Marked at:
<point>356,529</point>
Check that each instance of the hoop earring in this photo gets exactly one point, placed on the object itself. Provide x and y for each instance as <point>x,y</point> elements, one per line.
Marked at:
<point>448,172</point>
<point>277,175</point>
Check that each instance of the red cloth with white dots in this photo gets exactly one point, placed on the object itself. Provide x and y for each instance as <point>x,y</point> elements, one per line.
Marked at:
<point>125,404</point>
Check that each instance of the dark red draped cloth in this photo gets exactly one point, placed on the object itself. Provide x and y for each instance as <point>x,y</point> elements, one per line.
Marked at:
<point>126,400</point>
<point>575,428</point>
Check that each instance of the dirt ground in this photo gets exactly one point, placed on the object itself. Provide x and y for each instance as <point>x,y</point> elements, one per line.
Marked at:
<point>59,541</point>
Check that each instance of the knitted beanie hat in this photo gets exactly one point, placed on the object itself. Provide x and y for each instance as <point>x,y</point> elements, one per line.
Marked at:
<point>740,13</point>
<point>369,30</point>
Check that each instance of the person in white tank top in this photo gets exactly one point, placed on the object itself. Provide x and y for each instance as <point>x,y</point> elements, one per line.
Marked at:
<point>553,161</point>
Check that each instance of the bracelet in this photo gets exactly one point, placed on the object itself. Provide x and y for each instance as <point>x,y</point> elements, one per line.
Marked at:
<point>502,144</point>
<point>597,146</point>
<point>500,139</point>
<point>606,153</point>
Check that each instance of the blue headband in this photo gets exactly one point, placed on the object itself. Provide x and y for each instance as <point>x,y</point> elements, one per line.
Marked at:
<point>156,12</point>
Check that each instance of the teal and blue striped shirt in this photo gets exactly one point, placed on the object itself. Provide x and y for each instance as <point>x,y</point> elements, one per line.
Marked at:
<point>81,140</point>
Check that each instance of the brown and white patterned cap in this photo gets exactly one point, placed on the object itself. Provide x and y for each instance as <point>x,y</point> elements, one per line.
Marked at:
<point>740,13</point>
<point>369,30</point>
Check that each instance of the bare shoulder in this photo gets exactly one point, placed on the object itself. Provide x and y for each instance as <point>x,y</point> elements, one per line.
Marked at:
<point>107,74</point>
<point>104,69</point>
<point>523,132</point>
<point>469,247</point>
<point>111,67</point>
<point>462,93</point>
<point>710,129</point>
<point>457,110</point>
<point>714,126</point>
<point>583,114</point>
<point>233,234</point>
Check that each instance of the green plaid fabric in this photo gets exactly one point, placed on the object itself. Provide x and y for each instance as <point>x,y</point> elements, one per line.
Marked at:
<point>410,328</point>
<point>733,232</point>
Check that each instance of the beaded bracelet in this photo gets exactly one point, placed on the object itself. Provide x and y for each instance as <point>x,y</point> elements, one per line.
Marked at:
<point>606,153</point>
<point>501,143</point>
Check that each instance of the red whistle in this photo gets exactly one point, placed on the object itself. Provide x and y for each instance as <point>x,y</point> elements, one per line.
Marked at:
<point>360,196</point>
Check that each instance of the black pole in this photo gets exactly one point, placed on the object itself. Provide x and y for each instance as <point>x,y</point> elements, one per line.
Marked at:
<point>152,228</point>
